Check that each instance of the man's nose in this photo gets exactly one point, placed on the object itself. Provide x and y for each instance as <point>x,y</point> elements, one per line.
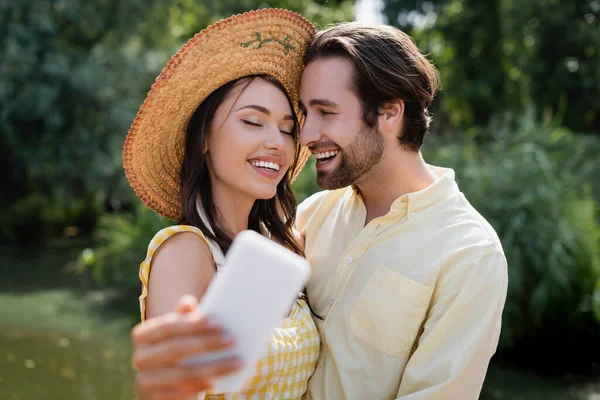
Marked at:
<point>310,132</point>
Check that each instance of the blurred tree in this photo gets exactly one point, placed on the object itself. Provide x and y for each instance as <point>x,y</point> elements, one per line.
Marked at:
<point>72,73</point>
<point>72,77</point>
<point>555,47</point>
<point>502,55</point>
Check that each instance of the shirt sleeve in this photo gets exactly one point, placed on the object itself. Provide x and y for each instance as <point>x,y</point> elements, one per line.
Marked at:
<point>460,334</point>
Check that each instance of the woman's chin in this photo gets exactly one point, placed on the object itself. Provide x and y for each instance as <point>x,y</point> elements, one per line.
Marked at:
<point>264,192</point>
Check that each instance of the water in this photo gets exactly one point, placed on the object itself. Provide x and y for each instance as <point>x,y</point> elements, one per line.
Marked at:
<point>48,365</point>
<point>59,338</point>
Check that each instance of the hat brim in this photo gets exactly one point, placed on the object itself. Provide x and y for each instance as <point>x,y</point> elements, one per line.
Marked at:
<point>262,42</point>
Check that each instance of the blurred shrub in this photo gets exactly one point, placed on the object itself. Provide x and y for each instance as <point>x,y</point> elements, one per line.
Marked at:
<point>306,183</point>
<point>123,241</point>
<point>530,181</point>
<point>37,216</point>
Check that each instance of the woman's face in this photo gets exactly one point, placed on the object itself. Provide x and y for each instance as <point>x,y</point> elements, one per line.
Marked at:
<point>250,141</point>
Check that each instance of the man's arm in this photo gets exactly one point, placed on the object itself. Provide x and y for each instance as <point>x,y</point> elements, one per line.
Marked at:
<point>460,334</point>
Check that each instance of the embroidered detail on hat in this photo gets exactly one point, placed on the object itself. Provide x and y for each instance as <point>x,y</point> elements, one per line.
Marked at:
<point>287,46</point>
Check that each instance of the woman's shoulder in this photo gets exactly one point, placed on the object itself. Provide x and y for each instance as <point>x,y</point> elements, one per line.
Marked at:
<point>178,239</point>
<point>177,256</point>
<point>165,233</point>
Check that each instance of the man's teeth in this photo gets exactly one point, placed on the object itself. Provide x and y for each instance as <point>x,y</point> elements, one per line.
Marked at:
<point>265,164</point>
<point>327,154</point>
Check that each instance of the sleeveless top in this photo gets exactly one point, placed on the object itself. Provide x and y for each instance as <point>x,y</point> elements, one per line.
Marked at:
<point>289,360</point>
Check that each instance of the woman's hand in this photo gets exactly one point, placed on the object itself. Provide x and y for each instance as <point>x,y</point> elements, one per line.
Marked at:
<point>162,342</point>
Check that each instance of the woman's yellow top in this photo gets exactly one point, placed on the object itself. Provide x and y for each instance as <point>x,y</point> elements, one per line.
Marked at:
<point>289,360</point>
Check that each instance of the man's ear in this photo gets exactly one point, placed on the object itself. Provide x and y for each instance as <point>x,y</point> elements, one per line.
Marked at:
<point>390,117</point>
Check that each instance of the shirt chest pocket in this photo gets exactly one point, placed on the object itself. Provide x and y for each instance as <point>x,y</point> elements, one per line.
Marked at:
<point>389,311</point>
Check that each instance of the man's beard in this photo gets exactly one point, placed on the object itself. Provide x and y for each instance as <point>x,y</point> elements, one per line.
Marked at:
<point>356,159</point>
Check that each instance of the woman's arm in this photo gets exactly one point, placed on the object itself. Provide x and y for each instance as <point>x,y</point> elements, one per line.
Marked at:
<point>182,266</point>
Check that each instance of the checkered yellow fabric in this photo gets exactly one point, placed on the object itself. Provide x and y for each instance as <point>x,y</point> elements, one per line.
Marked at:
<point>289,360</point>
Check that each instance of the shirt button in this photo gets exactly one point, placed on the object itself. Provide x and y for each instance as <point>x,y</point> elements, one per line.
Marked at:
<point>331,302</point>
<point>349,260</point>
<point>413,214</point>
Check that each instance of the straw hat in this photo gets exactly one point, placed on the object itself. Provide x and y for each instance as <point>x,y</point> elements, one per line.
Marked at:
<point>267,41</point>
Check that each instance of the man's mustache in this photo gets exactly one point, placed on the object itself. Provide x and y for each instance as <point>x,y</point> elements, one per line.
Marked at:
<point>320,146</point>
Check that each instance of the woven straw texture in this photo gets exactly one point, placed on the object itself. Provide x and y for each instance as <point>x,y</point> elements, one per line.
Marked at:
<point>267,41</point>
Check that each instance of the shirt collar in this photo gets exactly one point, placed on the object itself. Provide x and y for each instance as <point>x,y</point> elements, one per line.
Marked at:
<point>443,188</point>
<point>412,203</point>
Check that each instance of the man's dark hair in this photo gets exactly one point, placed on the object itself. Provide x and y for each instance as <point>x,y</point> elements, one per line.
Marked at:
<point>388,66</point>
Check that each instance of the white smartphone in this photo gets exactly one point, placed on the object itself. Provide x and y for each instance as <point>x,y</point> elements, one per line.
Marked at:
<point>249,296</point>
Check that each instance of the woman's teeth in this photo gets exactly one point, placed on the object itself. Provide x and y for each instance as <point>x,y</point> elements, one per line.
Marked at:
<point>266,165</point>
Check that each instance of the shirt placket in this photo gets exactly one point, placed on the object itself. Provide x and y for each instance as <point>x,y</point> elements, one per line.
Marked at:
<point>352,256</point>
<point>343,274</point>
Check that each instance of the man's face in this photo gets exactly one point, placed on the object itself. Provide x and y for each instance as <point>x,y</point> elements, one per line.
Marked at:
<point>345,147</point>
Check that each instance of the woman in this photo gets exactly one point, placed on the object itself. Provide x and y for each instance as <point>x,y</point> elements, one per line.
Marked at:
<point>215,148</point>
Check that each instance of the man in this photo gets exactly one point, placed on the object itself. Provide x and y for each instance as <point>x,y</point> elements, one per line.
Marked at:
<point>410,281</point>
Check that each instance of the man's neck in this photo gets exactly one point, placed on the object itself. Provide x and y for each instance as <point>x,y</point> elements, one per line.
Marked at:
<point>396,175</point>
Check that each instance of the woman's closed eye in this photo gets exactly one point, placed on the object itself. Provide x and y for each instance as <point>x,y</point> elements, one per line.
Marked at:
<point>251,123</point>
<point>256,124</point>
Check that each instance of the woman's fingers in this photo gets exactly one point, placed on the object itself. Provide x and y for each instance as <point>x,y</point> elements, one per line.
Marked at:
<point>172,325</point>
<point>186,304</point>
<point>172,395</point>
<point>183,392</point>
<point>162,342</point>
<point>185,379</point>
<point>171,351</point>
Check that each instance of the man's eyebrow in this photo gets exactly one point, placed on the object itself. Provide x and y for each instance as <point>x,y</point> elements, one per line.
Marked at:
<point>317,102</point>
<point>322,102</point>
<point>263,110</point>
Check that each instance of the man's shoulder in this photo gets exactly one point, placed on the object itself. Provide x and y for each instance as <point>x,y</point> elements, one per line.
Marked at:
<point>471,231</point>
<point>319,204</point>
<point>485,226</point>
<point>457,217</point>
<point>320,199</point>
